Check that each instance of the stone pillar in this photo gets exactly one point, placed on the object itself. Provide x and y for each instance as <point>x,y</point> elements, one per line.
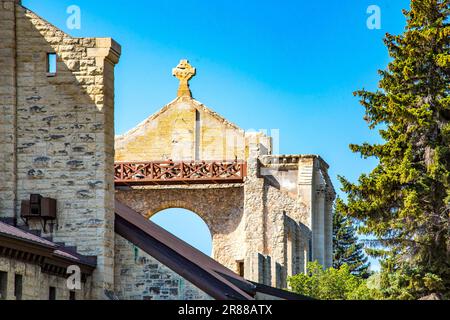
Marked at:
<point>267,271</point>
<point>329,231</point>
<point>255,220</point>
<point>8,108</point>
<point>258,268</point>
<point>318,229</point>
<point>253,267</point>
<point>106,53</point>
<point>279,279</point>
<point>305,185</point>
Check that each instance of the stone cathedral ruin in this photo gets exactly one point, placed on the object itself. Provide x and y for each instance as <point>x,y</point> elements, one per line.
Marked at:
<point>73,194</point>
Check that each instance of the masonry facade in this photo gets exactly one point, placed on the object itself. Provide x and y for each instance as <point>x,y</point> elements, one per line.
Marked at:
<point>57,131</point>
<point>139,276</point>
<point>57,140</point>
<point>268,226</point>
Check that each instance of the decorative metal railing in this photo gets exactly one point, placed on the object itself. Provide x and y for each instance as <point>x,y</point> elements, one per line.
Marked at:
<point>184,172</point>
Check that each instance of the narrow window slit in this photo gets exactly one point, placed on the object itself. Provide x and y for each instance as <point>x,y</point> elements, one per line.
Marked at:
<point>241,268</point>
<point>51,64</point>
<point>18,284</point>
<point>51,293</point>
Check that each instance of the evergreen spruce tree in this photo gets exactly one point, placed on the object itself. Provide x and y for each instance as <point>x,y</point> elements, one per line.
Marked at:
<point>346,249</point>
<point>405,200</point>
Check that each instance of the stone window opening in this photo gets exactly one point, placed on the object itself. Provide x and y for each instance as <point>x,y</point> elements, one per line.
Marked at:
<point>3,285</point>
<point>72,296</point>
<point>197,134</point>
<point>310,255</point>
<point>240,268</point>
<point>51,64</point>
<point>51,293</point>
<point>18,286</point>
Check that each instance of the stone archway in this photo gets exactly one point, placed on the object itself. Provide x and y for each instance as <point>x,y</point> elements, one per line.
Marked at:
<point>220,207</point>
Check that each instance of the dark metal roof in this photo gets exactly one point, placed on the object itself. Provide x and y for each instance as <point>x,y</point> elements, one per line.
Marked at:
<point>180,257</point>
<point>52,253</point>
<point>14,232</point>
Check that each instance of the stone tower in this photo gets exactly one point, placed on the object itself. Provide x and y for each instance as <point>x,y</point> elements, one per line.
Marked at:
<point>57,132</point>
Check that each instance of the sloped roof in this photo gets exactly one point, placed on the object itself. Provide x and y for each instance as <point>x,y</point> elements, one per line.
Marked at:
<point>201,270</point>
<point>52,253</point>
<point>19,234</point>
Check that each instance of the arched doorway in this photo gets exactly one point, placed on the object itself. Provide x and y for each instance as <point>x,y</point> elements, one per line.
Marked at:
<point>186,225</point>
<point>221,209</point>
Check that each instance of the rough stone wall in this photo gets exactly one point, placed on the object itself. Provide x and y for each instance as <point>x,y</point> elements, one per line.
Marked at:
<point>223,217</point>
<point>8,106</point>
<point>35,285</point>
<point>305,179</point>
<point>286,234</point>
<point>139,276</point>
<point>65,132</point>
<point>277,221</point>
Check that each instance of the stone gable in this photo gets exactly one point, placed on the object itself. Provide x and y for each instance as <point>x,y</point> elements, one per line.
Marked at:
<point>185,129</point>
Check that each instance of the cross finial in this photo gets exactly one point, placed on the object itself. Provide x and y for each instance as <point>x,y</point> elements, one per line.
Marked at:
<point>184,72</point>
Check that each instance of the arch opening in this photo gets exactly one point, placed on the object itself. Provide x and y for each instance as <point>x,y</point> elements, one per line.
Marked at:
<point>186,225</point>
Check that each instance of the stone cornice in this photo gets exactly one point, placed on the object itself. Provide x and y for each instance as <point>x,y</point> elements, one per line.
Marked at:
<point>106,49</point>
<point>291,160</point>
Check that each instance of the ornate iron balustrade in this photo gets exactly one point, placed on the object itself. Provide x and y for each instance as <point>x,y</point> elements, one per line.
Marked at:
<point>169,172</point>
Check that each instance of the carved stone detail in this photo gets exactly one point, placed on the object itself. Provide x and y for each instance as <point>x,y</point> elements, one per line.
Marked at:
<point>184,72</point>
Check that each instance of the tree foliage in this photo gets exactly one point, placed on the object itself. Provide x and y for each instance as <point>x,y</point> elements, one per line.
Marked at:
<point>405,200</point>
<point>346,248</point>
<point>332,284</point>
<point>408,283</point>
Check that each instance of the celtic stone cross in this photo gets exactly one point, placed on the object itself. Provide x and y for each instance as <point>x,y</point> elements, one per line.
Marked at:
<point>184,72</point>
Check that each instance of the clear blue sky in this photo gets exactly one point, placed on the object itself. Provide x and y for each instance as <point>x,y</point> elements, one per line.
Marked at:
<point>288,65</point>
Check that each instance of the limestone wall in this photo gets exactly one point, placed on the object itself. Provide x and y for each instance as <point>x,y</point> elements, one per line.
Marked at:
<point>304,178</point>
<point>35,285</point>
<point>277,220</point>
<point>64,137</point>
<point>139,276</point>
<point>8,108</point>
